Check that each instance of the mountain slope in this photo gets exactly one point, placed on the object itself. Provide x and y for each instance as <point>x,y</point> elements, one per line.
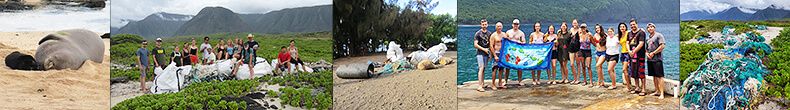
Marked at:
<point>155,25</point>
<point>292,20</point>
<point>213,20</point>
<point>694,15</point>
<point>769,13</point>
<point>731,14</point>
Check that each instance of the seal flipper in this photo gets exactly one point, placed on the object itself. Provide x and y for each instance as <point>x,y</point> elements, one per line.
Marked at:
<point>51,37</point>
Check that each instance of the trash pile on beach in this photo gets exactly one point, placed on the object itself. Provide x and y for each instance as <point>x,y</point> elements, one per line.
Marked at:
<point>428,59</point>
<point>728,79</point>
<point>743,40</point>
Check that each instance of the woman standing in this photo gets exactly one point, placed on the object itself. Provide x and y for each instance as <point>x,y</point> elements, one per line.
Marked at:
<point>563,37</point>
<point>612,50</point>
<point>600,52</point>
<point>550,36</point>
<point>573,49</point>
<point>624,57</point>
<point>536,37</point>
<point>193,52</point>
<point>585,55</point>
<point>187,57</point>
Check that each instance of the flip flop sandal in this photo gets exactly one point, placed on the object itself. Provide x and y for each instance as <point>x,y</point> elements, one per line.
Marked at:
<point>481,89</point>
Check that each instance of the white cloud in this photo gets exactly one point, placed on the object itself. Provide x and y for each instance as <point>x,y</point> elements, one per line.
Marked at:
<point>139,9</point>
<point>714,6</point>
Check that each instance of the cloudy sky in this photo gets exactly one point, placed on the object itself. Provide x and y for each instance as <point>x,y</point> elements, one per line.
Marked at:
<point>714,6</point>
<point>139,9</point>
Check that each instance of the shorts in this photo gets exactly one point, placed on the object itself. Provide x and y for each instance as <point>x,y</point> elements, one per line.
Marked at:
<point>636,68</point>
<point>655,68</point>
<point>143,72</point>
<point>600,54</point>
<point>553,54</point>
<point>611,58</point>
<point>584,53</point>
<point>624,57</point>
<point>296,61</point>
<point>482,60</point>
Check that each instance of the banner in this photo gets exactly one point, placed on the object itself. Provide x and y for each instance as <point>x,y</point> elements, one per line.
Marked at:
<point>525,56</point>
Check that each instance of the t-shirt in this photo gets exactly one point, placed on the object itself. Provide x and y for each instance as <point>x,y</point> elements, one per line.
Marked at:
<point>482,40</point>
<point>283,57</point>
<point>252,44</point>
<point>159,56</point>
<point>653,43</point>
<point>177,57</point>
<point>143,54</point>
<point>624,42</point>
<point>637,36</point>
<point>207,47</point>
<point>612,46</point>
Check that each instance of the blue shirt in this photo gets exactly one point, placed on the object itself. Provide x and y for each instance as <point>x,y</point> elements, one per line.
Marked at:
<point>143,54</point>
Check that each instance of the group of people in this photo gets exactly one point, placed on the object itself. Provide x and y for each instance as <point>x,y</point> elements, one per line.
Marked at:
<point>631,47</point>
<point>245,52</point>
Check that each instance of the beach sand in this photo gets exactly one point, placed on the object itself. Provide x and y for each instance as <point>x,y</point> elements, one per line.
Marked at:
<point>416,89</point>
<point>86,88</point>
<point>769,34</point>
<point>558,96</point>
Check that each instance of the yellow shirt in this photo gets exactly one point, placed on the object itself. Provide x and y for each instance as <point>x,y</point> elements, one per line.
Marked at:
<point>624,42</point>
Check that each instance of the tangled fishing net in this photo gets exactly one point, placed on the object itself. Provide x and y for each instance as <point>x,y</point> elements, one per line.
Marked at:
<point>744,40</point>
<point>728,79</point>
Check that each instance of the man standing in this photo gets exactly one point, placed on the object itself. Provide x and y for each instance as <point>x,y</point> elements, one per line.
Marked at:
<point>142,60</point>
<point>159,54</point>
<point>205,48</point>
<point>495,43</point>
<point>655,63</point>
<point>517,35</point>
<point>481,43</point>
<point>295,56</point>
<point>637,64</point>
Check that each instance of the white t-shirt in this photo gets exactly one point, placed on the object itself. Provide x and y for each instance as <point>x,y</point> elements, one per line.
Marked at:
<point>207,47</point>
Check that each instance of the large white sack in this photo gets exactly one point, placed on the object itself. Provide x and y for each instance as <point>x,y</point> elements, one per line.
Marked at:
<point>224,66</point>
<point>418,56</point>
<point>261,68</point>
<point>293,67</point>
<point>394,52</point>
<point>438,49</point>
<point>170,79</point>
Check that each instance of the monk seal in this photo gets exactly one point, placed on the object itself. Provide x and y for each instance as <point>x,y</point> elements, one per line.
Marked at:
<point>69,49</point>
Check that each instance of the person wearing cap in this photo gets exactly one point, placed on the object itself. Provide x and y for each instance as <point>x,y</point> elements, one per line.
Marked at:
<point>142,60</point>
<point>655,65</point>
<point>159,54</point>
<point>517,35</point>
<point>253,46</point>
<point>481,43</point>
<point>585,55</point>
<point>295,56</point>
<point>637,52</point>
<point>495,44</point>
<point>205,48</point>
<point>536,37</point>
<point>246,57</point>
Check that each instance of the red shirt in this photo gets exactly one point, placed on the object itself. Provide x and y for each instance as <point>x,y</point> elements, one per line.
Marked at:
<point>284,56</point>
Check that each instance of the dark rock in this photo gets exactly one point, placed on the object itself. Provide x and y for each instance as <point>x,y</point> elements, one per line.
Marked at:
<point>256,95</point>
<point>118,80</point>
<point>273,107</point>
<point>94,4</point>
<point>105,36</point>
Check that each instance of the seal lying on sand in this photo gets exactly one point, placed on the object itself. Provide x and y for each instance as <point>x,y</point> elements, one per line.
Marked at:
<point>69,49</point>
<point>21,61</point>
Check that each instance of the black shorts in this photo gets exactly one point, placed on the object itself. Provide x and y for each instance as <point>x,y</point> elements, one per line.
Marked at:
<point>584,53</point>
<point>612,58</point>
<point>296,61</point>
<point>655,68</point>
<point>553,54</point>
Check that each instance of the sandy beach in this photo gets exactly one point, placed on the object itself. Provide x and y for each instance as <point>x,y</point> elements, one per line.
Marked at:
<point>416,89</point>
<point>85,88</point>
<point>769,34</point>
<point>559,96</point>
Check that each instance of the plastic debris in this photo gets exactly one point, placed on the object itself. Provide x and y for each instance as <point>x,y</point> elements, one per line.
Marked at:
<point>727,79</point>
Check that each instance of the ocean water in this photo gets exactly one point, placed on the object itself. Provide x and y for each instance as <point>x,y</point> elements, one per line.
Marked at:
<point>467,62</point>
<point>57,17</point>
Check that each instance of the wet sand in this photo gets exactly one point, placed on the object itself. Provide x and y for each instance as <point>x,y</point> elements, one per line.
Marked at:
<point>559,96</point>
<point>416,89</point>
<point>85,88</point>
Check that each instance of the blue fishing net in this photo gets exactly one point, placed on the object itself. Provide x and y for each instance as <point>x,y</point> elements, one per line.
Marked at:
<point>728,79</point>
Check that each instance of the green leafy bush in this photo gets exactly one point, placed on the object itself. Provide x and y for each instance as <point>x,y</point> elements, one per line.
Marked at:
<point>778,62</point>
<point>692,55</point>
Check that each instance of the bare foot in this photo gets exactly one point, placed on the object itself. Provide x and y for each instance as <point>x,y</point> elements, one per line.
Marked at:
<point>612,87</point>
<point>599,86</point>
<point>533,83</point>
<point>521,84</point>
<point>661,97</point>
<point>481,89</point>
<point>493,88</point>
